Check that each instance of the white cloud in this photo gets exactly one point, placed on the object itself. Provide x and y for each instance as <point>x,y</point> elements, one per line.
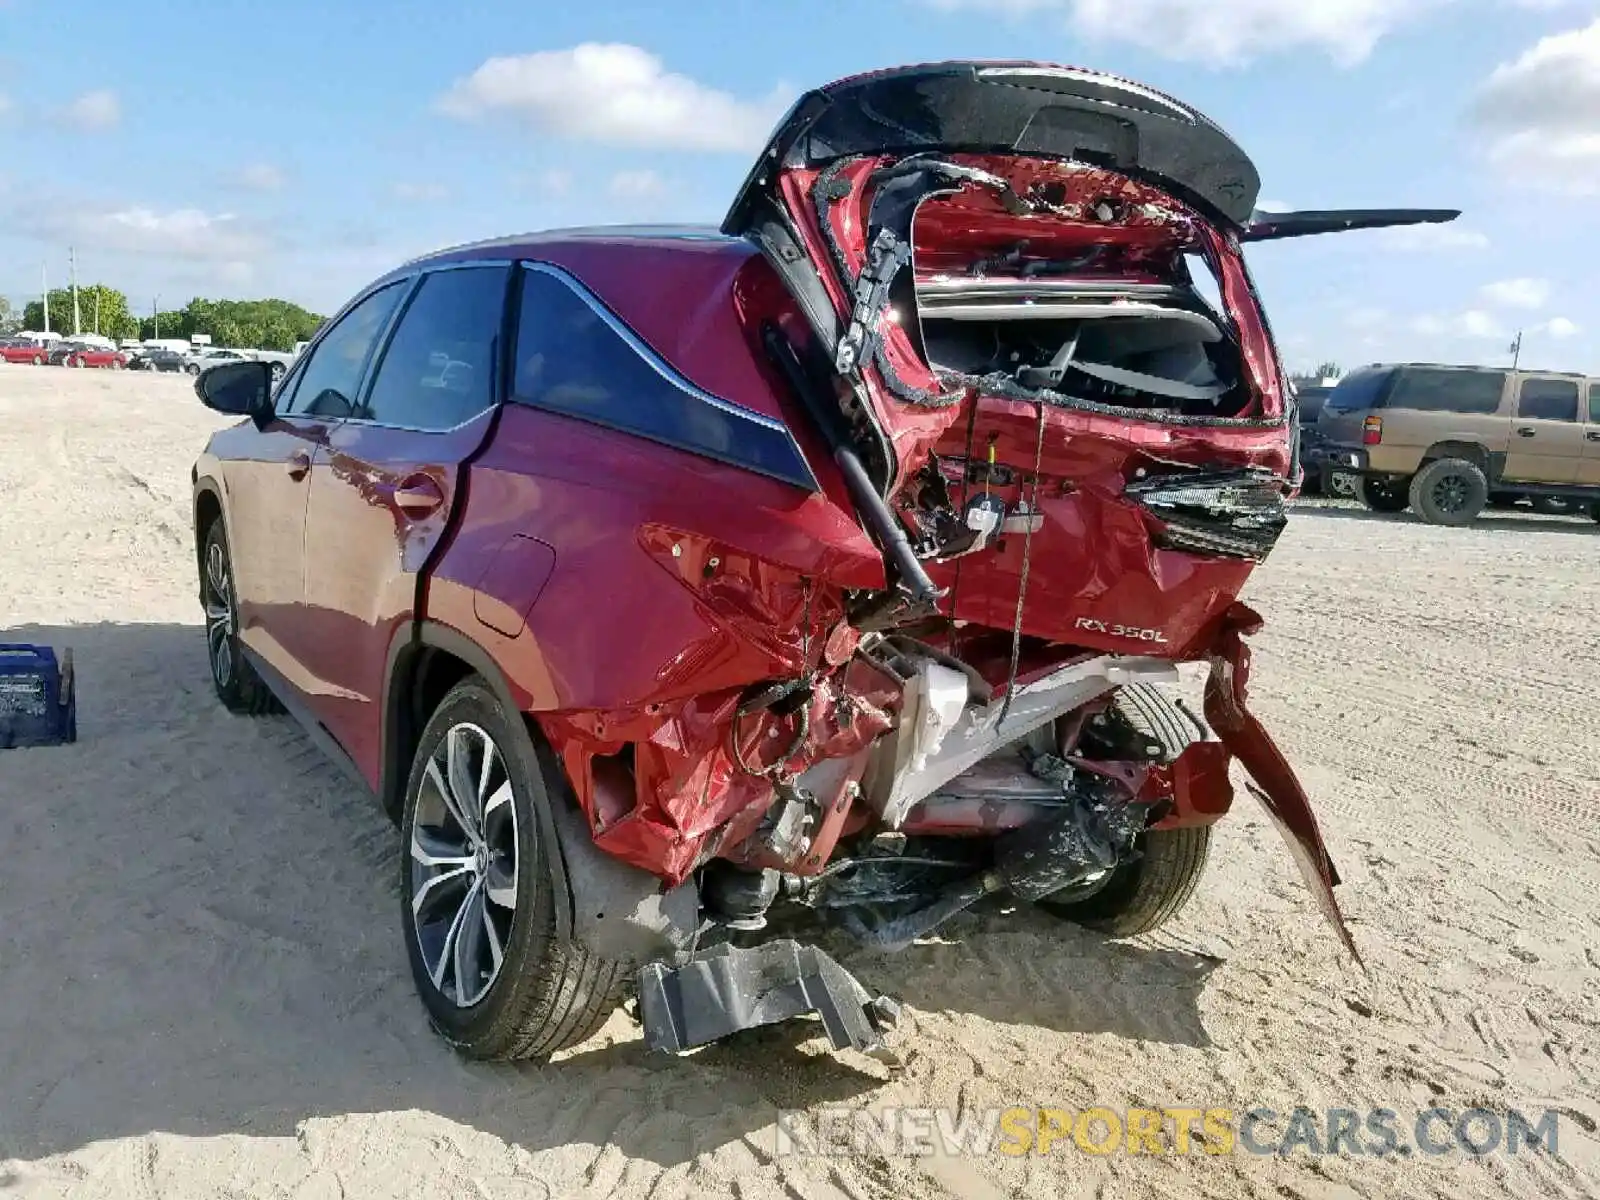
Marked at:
<point>183,233</point>
<point>420,191</point>
<point>636,185</point>
<point>1426,238</point>
<point>1542,113</point>
<point>93,112</point>
<point>1273,206</point>
<point>260,177</point>
<point>1560,327</point>
<point>614,93</point>
<point>1517,293</point>
<point>1474,323</point>
<point>1224,32</point>
<point>1366,318</point>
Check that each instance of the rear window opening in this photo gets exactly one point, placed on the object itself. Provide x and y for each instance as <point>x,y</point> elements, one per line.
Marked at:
<point>1358,391</point>
<point>1163,346</point>
<point>1031,279</point>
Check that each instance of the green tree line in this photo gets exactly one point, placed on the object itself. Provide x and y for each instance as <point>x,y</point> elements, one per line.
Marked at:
<point>253,324</point>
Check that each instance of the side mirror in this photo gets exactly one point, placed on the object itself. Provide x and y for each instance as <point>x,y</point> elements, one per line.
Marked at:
<point>241,389</point>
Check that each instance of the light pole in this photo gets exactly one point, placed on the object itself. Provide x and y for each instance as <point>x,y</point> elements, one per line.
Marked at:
<point>1516,351</point>
<point>72,267</point>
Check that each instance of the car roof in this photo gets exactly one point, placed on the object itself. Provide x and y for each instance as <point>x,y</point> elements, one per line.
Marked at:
<point>534,245</point>
<point>1433,366</point>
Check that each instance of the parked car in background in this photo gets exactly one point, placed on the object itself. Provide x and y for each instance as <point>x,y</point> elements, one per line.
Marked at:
<point>74,353</point>
<point>622,565</point>
<point>159,358</point>
<point>1309,400</point>
<point>278,361</point>
<point>207,357</point>
<point>24,350</point>
<point>1445,441</point>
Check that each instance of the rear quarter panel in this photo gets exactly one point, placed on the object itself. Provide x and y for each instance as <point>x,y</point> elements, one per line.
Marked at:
<point>666,576</point>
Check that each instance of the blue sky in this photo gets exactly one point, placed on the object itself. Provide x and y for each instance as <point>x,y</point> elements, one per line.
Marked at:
<point>298,149</point>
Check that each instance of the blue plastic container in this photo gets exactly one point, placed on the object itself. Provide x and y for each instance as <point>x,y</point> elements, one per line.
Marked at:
<point>38,704</point>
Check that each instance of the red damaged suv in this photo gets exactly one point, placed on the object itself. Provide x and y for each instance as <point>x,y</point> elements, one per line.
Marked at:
<point>661,580</point>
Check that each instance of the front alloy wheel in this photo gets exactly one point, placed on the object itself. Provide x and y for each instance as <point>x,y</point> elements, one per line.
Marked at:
<point>237,685</point>
<point>219,614</point>
<point>464,864</point>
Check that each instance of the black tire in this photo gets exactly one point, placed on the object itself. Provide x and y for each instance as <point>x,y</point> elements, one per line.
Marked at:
<point>193,368</point>
<point>1150,890</point>
<point>1594,511</point>
<point>1449,491</point>
<point>1382,496</point>
<point>237,685</point>
<point>275,371</point>
<point>546,993</point>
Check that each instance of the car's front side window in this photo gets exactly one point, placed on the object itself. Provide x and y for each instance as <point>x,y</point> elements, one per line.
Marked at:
<point>332,376</point>
<point>439,369</point>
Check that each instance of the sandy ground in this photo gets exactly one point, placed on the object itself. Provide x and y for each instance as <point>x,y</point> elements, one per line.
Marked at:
<point>204,991</point>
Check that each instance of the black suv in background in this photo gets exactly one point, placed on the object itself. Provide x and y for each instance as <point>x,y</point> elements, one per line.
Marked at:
<point>1310,399</point>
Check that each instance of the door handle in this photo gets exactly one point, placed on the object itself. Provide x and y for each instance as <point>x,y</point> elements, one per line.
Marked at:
<point>299,463</point>
<point>1526,431</point>
<point>418,496</point>
<point>1593,435</point>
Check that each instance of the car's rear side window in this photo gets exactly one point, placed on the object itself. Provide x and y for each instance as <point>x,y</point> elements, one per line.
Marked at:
<point>331,378</point>
<point>1548,400</point>
<point>1358,390</point>
<point>1424,389</point>
<point>1594,404</point>
<point>439,369</point>
<point>576,358</point>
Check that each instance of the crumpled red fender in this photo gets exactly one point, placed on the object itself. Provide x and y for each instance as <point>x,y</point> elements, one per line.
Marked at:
<point>1273,780</point>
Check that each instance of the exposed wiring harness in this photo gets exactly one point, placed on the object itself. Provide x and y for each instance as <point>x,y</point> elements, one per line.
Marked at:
<point>1027,557</point>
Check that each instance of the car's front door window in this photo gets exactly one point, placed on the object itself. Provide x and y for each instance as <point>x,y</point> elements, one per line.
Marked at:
<point>332,377</point>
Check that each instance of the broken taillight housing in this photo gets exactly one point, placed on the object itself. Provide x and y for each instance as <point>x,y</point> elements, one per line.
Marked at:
<point>1233,514</point>
<point>1372,431</point>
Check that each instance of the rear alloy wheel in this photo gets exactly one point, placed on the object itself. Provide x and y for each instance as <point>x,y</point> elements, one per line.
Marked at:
<point>193,368</point>
<point>275,371</point>
<point>479,897</point>
<point>1380,495</point>
<point>1449,491</point>
<point>237,685</point>
<point>38,360</point>
<point>1148,891</point>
